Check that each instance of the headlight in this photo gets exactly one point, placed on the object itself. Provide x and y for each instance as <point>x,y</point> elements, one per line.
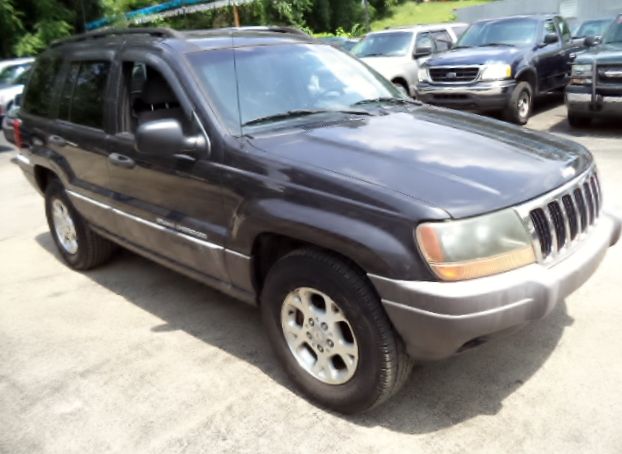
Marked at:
<point>476,247</point>
<point>581,74</point>
<point>497,71</point>
<point>582,70</point>
<point>423,75</point>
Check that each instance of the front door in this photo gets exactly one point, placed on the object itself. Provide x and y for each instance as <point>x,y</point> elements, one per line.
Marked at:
<point>168,205</point>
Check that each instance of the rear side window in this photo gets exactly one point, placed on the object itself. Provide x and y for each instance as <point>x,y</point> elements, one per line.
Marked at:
<point>38,99</point>
<point>82,98</point>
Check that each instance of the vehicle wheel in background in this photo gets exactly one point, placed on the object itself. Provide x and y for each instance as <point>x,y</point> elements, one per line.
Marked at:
<point>521,104</point>
<point>402,87</point>
<point>578,121</point>
<point>80,247</point>
<point>330,332</point>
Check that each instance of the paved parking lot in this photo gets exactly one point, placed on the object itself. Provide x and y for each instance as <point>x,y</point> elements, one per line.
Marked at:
<point>135,358</point>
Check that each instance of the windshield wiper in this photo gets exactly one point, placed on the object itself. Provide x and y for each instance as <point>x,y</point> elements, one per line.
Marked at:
<point>497,44</point>
<point>386,99</point>
<point>300,113</point>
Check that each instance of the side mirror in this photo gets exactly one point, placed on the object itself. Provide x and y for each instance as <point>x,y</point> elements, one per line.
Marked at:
<point>422,52</point>
<point>166,138</point>
<point>551,38</point>
<point>591,41</point>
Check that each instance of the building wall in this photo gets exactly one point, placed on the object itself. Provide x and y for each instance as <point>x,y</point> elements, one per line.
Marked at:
<point>576,10</point>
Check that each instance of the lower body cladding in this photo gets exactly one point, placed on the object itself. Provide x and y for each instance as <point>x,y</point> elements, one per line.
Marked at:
<point>438,319</point>
<point>581,101</point>
<point>478,97</point>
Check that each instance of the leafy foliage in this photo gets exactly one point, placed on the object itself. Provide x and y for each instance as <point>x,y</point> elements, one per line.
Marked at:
<point>28,26</point>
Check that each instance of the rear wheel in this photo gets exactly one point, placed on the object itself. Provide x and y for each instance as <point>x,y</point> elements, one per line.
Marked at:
<point>80,247</point>
<point>328,329</point>
<point>578,121</point>
<point>520,105</point>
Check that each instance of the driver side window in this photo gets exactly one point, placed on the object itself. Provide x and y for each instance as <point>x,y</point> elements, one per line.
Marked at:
<point>147,96</point>
<point>425,41</point>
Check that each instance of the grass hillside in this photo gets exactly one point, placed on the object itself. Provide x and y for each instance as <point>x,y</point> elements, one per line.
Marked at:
<point>411,13</point>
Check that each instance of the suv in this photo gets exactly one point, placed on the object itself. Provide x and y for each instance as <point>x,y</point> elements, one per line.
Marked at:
<point>397,53</point>
<point>370,230</point>
<point>595,88</point>
<point>501,65</point>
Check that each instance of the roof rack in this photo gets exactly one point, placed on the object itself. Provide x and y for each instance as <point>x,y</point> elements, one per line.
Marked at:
<point>250,28</point>
<point>157,32</point>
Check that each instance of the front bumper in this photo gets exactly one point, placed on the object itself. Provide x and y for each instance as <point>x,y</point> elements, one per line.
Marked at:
<point>438,319</point>
<point>480,96</point>
<point>580,100</point>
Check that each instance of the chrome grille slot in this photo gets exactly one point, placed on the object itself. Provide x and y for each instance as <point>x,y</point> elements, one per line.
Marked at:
<point>560,220</point>
<point>571,214</point>
<point>578,195</point>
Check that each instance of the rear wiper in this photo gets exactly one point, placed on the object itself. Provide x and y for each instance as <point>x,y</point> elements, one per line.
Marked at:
<point>386,99</point>
<point>461,47</point>
<point>299,113</point>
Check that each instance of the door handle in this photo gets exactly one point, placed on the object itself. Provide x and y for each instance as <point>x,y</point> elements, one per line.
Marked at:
<point>57,140</point>
<point>120,160</point>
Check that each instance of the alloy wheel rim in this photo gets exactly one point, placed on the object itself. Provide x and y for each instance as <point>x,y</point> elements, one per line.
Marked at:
<point>523,105</point>
<point>319,336</point>
<point>64,227</point>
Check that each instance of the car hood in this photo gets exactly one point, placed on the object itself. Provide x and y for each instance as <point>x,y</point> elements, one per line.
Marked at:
<point>477,56</point>
<point>605,53</point>
<point>462,163</point>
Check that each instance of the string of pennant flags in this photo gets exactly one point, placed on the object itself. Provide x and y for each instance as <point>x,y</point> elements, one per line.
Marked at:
<point>171,8</point>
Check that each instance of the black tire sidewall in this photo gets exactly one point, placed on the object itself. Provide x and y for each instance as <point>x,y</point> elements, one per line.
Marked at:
<point>364,388</point>
<point>55,191</point>
<point>513,109</point>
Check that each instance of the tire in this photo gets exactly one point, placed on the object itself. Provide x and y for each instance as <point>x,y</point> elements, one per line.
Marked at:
<point>80,248</point>
<point>578,121</point>
<point>382,365</point>
<point>516,111</point>
<point>401,86</point>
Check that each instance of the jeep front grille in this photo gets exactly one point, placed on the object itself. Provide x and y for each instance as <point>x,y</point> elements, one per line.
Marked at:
<point>560,220</point>
<point>454,74</point>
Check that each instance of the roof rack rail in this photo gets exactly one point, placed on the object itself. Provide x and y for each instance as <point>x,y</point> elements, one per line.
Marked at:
<point>159,32</point>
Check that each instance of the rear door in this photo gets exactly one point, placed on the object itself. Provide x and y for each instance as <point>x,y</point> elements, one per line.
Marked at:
<point>79,135</point>
<point>168,205</point>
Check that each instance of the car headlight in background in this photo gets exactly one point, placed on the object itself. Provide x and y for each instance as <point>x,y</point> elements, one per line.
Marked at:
<point>496,71</point>
<point>476,247</point>
<point>581,74</point>
<point>423,75</point>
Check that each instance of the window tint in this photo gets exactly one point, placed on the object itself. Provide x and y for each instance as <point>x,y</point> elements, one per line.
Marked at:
<point>443,40</point>
<point>424,40</point>
<point>67,92</point>
<point>549,27</point>
<point>564,29</point>
<point>82,99</point>
<point>38,96</point>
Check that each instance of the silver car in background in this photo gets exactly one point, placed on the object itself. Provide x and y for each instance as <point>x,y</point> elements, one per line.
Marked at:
<point>397,53</point>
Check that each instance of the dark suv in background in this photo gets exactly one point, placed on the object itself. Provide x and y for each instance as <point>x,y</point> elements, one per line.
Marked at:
<point>595,89</point>
<point>370,229</point>
<point>501,65</point>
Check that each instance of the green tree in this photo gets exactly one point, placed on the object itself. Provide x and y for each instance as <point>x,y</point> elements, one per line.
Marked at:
<point>10,26</point>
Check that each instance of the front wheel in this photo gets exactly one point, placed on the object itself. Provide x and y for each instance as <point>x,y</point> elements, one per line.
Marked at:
<point>520,105</point>
<point>329,331</point>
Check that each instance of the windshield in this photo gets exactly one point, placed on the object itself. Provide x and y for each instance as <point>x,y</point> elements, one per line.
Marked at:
<point>614,32</point>
<point>9,74</point>
<point>393,44</point>
<point>276,81</point>
<point>510,32</point>
<point>592,28</point>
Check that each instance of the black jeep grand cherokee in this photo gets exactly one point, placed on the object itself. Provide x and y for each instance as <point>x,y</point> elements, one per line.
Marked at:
<point>370,230</point>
